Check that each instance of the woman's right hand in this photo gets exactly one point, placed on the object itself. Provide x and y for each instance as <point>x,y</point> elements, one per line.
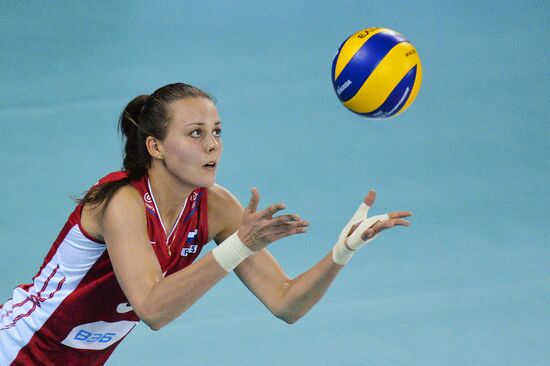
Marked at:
<point>260,228</point>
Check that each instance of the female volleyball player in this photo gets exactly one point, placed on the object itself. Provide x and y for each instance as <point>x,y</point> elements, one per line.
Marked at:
<point>127,253</point>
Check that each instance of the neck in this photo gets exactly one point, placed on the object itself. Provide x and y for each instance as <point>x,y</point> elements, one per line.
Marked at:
<point>169,194</point>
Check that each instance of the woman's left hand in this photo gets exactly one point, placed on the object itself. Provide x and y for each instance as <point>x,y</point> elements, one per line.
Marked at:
<point>362,229</point>
<point>368,228</point>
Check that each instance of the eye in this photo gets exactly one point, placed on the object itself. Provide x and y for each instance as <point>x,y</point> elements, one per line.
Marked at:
<point>217,132</point>
<point>196,133</point>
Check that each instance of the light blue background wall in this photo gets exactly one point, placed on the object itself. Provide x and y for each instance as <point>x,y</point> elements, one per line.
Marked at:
<point>467,284</point>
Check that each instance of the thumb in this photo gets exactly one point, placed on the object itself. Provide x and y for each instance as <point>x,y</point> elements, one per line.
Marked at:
<point>371,197</point>
<point>254,201</point>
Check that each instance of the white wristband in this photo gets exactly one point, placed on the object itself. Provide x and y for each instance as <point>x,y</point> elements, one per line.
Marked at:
<point>340,254</point>
<point>231,252</point>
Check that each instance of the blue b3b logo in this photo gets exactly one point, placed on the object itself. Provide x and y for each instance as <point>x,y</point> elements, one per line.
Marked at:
<point>83,335</point>
<point>98,335</point>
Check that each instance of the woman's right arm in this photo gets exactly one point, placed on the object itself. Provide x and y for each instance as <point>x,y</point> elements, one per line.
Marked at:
<point>157,300</point>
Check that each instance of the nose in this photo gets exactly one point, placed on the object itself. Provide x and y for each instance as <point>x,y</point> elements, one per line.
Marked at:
<point>212,143</point>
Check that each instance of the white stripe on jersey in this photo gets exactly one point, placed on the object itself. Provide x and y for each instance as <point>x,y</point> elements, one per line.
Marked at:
<point>27,311</point>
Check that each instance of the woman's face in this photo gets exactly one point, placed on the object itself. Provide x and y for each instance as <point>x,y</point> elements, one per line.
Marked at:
<point>192,147</point>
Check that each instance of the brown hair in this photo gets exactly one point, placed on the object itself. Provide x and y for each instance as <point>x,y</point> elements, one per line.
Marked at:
<point>145,115</point>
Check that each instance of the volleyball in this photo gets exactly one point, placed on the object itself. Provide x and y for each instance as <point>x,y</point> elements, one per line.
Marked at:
<point>376,73</point>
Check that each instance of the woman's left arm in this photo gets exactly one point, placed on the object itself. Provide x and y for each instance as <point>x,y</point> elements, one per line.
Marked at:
<point>288,299</point>
<point>291,298</point>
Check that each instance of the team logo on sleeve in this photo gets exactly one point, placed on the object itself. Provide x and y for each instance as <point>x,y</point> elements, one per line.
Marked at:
<point>190,247</point>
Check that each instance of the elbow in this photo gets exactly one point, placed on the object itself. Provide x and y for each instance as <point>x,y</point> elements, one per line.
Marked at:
<point>150,318</point>
<point>288,317</point>
<point>289,320</point>
<point>152,324</point>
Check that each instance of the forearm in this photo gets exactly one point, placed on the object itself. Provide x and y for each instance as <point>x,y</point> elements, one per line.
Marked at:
<point>172,295</point>
<point>304,291</point>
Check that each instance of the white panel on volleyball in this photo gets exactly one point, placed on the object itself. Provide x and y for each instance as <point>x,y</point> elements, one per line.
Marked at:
<point>27,311</point>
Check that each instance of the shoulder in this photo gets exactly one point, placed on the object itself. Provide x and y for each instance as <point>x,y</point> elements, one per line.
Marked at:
<point>126,195</point>
<point>126,204</point>
<point>224,213</point>
<point>221,198</point>
<point>126,201</point>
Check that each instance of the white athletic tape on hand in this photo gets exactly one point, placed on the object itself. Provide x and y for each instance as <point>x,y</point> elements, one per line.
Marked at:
<point>340,253</point>
<point>355,241</point>
<point>231,252</point>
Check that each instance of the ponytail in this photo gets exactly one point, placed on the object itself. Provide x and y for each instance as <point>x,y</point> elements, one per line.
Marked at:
<point>136,158</point>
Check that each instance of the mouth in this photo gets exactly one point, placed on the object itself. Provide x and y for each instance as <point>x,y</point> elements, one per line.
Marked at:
<point>210,165</point>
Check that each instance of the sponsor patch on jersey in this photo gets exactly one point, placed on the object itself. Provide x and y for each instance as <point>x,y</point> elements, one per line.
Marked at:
<point>192,236</point>
<point>98,335</point>
<point>190,247</point>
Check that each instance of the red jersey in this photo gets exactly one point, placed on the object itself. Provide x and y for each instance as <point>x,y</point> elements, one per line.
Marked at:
<point>74,312</point>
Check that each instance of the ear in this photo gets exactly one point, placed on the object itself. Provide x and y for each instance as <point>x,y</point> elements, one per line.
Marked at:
<point>154,147</point>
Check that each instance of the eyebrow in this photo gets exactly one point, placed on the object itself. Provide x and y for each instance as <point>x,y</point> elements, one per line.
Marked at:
<point>202,123</point>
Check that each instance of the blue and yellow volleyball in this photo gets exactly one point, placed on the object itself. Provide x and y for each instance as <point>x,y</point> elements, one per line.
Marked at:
<point>376,73</point>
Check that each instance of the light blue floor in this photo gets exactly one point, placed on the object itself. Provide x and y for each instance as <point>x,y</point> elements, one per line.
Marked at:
<point>467,284</point>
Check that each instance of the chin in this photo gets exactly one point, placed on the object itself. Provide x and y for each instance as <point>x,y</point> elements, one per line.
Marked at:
<point>206,183</point>
<point>210,184</point>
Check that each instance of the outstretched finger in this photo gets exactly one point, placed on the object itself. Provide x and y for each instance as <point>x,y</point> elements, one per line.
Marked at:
<point>290,225</point>
<point>254,201</point>
<point>400,214</point>
<point>370,198</point>
<point>380,226</point>
<point>375,229</point>
<point>400,222</point>
<point>272,210</point>
<point>283,232</point>
<point>283,219</point>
